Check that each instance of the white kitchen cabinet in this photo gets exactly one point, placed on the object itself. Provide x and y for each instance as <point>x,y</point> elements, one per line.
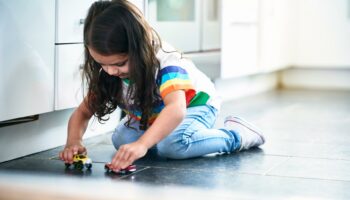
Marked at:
<point>69,52</point>
<point>239,44</point>
<point>211,23</point>
<point>69,88</point>
<point>27,38</point>
<point>177,22</point>
<point>70,20</point>
<point>189,25</point>
<point>71,16</point>
<point>278,30</point>
<point>240,51</point>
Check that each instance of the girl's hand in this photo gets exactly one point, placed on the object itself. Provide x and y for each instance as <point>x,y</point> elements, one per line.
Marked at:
<point>71,149</point>
<point>127,154</point>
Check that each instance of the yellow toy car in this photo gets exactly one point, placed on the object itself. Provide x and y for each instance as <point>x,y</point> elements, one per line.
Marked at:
<point>80,161</point>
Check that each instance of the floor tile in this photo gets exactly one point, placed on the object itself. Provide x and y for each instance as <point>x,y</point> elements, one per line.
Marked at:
<point>57,167</point>
<point>342,152</point>
<point>306,155</point>
<point>327,169</point>
<point>300,149</point>
<point>264,187</point>
<point>49,154</point>
<point>42,166</point>
<point>253,162</point>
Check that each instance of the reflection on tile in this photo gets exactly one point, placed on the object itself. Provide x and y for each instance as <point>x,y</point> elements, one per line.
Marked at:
<point>314,168</point>
<point>57,167</point>
<point>41,166</point>
<point>253,161</point>
<point>342,152</point>
<point>260,186</point>
<point>49,154</point>
<point>299,149</point>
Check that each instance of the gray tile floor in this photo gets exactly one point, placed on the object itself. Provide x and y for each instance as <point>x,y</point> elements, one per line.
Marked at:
<point>306,156</point>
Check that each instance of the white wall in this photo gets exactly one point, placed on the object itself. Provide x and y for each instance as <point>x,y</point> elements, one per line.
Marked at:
<point>323,33</point>
<point>322,46</point>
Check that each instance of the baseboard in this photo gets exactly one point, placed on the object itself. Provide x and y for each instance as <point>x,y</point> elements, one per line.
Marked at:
<point>315,78</point>
<point>49,131</point>
<point>234,88</point>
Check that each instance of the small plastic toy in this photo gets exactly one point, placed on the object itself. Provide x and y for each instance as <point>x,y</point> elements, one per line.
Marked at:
<point>80,161</point>
<point>127,170</point>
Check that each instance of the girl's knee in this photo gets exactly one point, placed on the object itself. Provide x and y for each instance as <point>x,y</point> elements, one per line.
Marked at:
<point>125,135</point>
<point>172,149</point>
<point>116,141</point>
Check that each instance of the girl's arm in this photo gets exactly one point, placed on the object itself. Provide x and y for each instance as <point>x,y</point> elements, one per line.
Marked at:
<point>77,125</point>
<point>168,119</point>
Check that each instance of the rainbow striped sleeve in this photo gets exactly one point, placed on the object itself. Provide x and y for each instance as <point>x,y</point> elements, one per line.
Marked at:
<point>174,78</point>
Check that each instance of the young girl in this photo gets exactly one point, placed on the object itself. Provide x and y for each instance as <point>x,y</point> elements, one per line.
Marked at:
<point>170,104</point>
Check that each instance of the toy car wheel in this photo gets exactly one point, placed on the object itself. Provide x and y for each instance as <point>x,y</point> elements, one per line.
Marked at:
<point>107,165</point>
<point>88,166</point>
<point>131,168</point>
<point>67,165</point>
<point>79,165</point>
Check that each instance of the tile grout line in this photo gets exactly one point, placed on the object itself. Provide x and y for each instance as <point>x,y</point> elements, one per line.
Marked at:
<point>321,158</point>
<point>275,166</point>
<point>310,178</point>
<point>138,171</point>
<point>180,168</point>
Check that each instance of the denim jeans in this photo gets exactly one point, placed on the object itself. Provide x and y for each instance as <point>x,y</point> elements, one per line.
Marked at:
<point>194,137</point>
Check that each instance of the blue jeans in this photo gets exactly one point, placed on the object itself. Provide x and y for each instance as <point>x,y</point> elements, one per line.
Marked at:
<point>194,137</point>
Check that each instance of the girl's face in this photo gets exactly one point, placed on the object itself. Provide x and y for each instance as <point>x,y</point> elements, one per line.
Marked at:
<point>114,65</point>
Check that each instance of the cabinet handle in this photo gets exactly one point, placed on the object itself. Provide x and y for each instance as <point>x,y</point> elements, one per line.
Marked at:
<point>81,21</point>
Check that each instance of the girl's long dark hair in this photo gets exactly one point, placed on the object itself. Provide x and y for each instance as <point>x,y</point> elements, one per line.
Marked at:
<point>118,27</point>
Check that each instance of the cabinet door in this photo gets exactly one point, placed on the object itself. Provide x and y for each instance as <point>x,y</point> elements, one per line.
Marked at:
<point>211,33</point>
<point>69,89</point>
<point>239,51</point>
<point>239,47</point>
<point>27,36</point>
<point>70,20</point>
<point>277,34</point>
<point>177,22</point>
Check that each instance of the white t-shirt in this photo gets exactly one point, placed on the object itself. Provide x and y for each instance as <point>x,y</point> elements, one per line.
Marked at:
<point>177,73</point>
